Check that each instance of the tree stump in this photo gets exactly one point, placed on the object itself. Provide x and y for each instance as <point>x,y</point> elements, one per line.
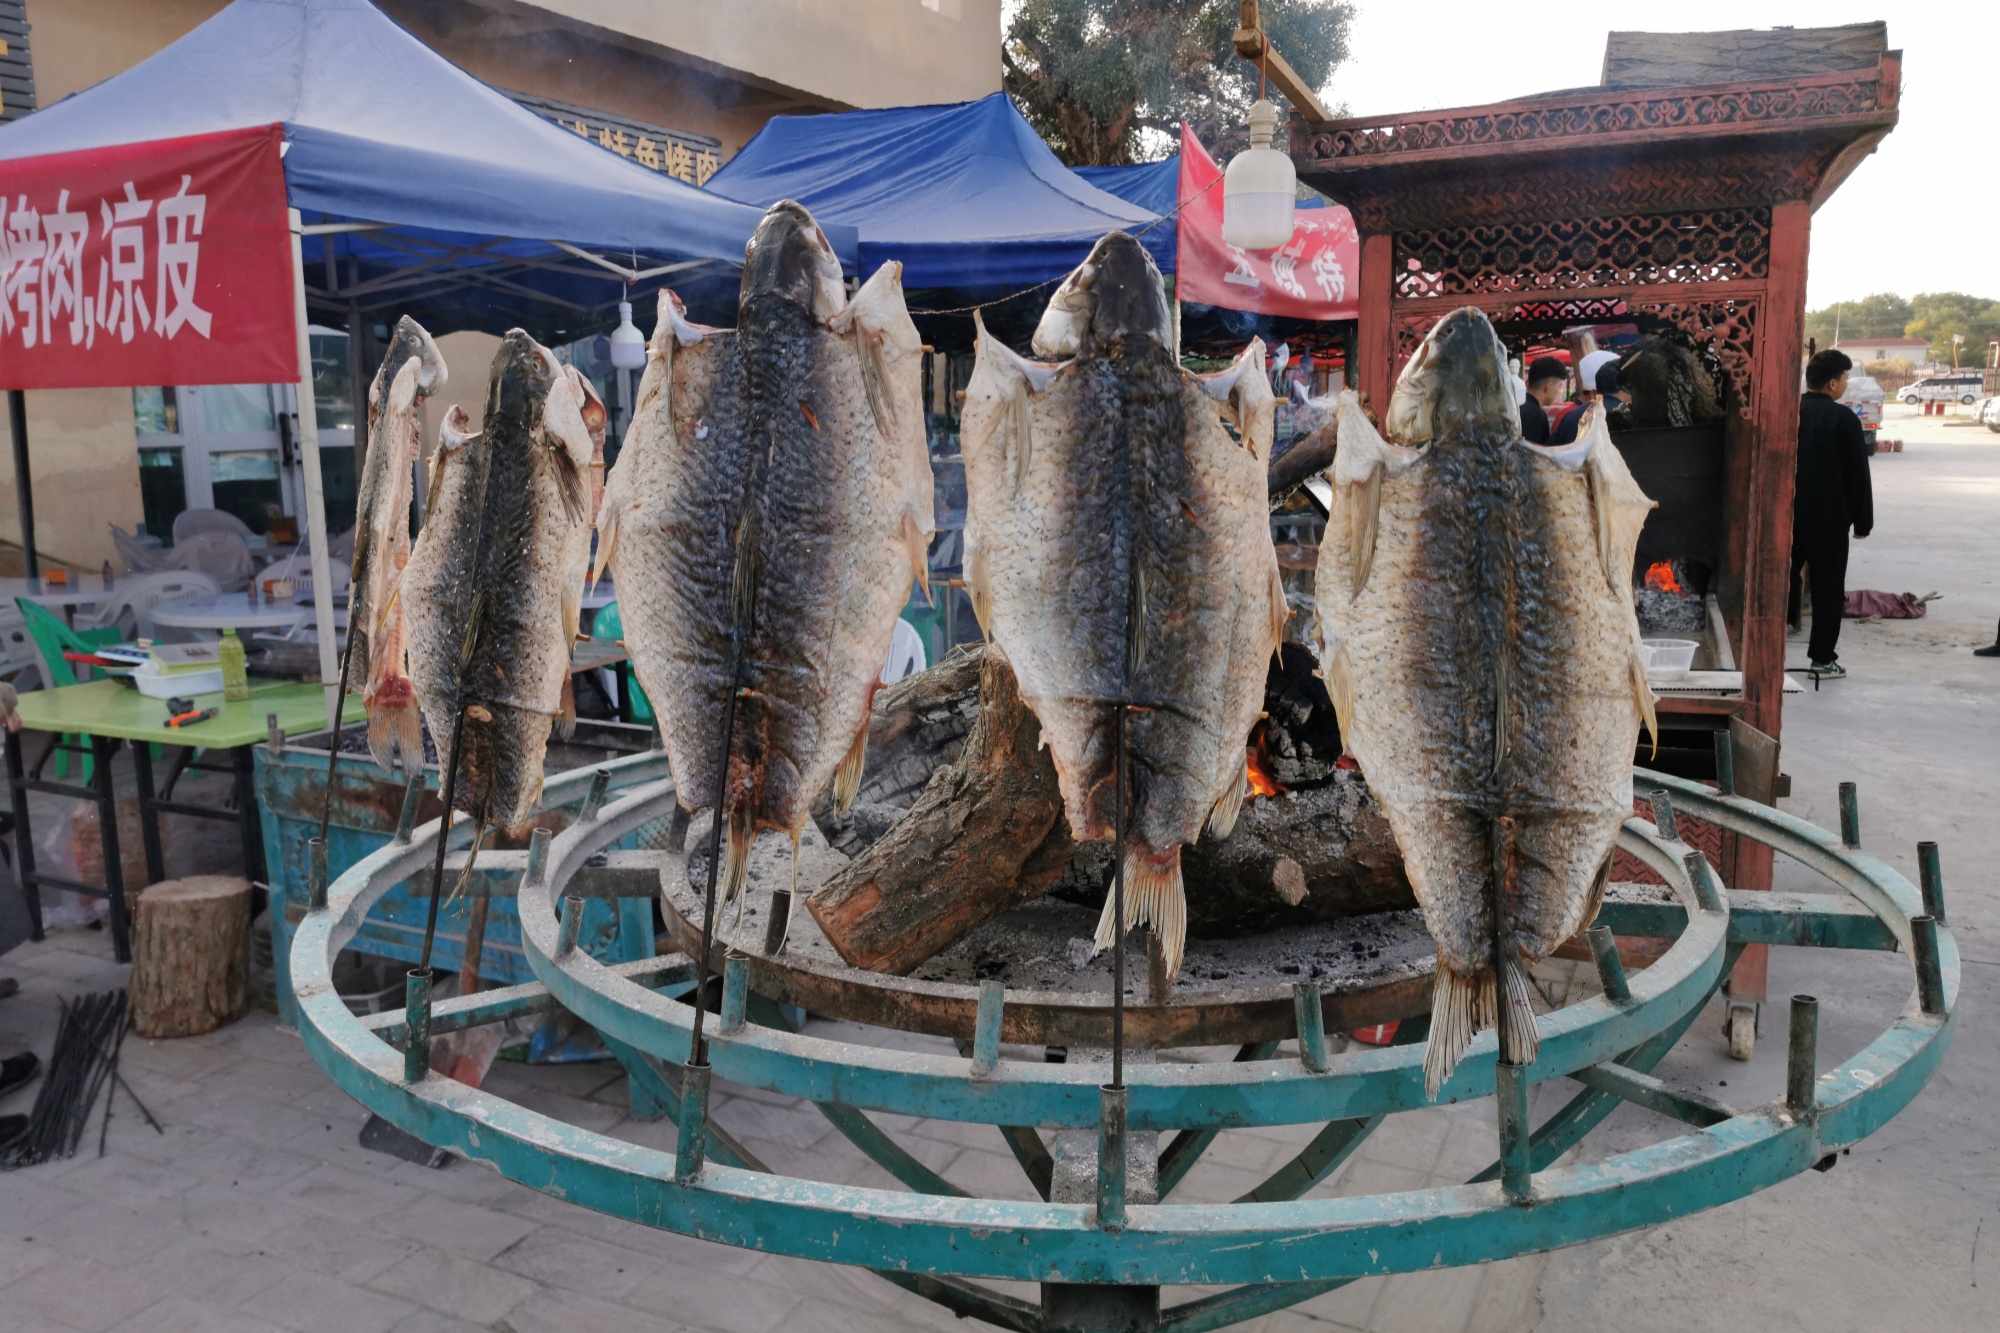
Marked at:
<point>190,956</point>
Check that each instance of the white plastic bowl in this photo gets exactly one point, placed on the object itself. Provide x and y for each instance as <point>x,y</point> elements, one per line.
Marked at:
<point>1669,659</point>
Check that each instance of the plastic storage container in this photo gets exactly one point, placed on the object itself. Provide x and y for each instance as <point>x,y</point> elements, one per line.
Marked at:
<point>1668,659</point>
<point>157,684</point>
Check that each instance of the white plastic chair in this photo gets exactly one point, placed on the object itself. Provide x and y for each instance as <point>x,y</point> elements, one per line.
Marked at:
<point>17,651</point>
<point>906,653</point>
<point>134,597</point>
<point>137,558</point>
<point>192,522</point>
<point>298,568</point>
<point>223,556</point>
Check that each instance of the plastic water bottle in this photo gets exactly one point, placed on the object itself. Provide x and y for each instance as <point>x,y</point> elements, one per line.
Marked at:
<point>235,675</point>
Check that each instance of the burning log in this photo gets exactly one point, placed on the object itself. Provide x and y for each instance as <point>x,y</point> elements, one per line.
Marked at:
<point>988,832</point>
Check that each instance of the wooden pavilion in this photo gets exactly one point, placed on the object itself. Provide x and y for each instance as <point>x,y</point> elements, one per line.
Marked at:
<point>1678,196</point>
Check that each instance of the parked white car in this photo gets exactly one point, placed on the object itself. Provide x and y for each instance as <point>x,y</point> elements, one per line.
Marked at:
<point>1987,414</point>
<point>1952,386</point>
<point>1864,398</point>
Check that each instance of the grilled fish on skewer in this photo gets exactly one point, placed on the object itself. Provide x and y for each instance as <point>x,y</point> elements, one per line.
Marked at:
<point>411,372</point>
<point>772,504</point>
<point>1118,549</point>
<point>1482,653</point>
<point>493,590</point>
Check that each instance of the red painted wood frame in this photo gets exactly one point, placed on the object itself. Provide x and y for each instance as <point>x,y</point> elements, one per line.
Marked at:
<point>1688,206</point>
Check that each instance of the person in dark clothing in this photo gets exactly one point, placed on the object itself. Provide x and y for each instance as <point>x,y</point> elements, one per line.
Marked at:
<point>1597,382</point>
<point>1832,496</point>
<point>1546,378</point>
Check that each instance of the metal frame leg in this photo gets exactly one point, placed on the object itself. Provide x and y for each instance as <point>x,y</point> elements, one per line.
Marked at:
<point>24,836</point>
<point>149,816</point>
<point>102,748</point>
<point>246,813</point>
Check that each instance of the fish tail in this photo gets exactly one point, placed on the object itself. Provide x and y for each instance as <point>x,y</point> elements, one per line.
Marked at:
<point>1153,894</point>
<point>395,725</point>
<point>1461,1005</point>
<point>1519,1040</point>
<point>1229,802</point>
<point>847,779</point>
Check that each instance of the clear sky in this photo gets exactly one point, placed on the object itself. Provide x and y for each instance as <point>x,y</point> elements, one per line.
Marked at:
<point>1921,214</point>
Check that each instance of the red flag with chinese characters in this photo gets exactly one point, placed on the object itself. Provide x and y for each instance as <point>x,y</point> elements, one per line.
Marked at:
<point>1315,276</point>
<point>167,262</point>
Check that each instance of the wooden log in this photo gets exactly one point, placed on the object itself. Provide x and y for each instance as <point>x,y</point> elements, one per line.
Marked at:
<point>190,964</point>
<point>987,834</point>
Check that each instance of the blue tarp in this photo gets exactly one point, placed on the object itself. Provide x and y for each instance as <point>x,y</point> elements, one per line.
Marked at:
<point>965,195</point>
<point>382,129</point>
<point>1154,186</point>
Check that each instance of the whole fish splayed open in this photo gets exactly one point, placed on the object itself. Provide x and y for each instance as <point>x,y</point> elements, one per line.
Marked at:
<point>1482,653</point>
<point>411,372</point>
<point>1118,548</point>
<point>764,521</point>
<point>494,587</point>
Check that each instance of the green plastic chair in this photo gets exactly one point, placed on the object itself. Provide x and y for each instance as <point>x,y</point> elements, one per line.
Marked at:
<point>52,638</point>
<point>608,624</point>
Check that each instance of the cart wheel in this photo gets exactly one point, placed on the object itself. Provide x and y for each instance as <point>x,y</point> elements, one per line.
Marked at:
<point>1741,1029</point>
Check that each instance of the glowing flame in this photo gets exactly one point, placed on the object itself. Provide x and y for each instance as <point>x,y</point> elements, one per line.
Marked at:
<point>1660,578</point>
<point>1261,781</point>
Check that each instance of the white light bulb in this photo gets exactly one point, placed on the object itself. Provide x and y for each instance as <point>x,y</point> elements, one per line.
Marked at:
<point>1260,189</point>
<point>628,345</point>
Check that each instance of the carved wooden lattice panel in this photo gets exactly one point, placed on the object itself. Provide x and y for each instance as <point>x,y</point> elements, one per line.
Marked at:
<point>1721,245</point>
<point>1723,331</point>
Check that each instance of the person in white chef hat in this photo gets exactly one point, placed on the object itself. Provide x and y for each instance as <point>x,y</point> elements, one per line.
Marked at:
<point>1597,382</point>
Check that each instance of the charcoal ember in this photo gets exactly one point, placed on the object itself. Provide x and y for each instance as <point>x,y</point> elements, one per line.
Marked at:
<point>1669,613</point>
<point>1301,735</point>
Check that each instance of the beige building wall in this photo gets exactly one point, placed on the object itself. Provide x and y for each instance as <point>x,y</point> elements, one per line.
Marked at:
<point>83,459</point>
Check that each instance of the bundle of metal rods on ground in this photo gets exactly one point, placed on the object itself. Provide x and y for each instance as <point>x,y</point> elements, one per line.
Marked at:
<point>85,1059</point>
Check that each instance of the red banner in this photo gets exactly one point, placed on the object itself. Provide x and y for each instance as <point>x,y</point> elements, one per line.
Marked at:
<point>149,263</point>
<point>1315,276</point>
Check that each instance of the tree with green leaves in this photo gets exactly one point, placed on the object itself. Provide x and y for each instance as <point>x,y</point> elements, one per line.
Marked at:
<point>1883,315</point>
<point>1092,76</point>
<point>1932,316</point>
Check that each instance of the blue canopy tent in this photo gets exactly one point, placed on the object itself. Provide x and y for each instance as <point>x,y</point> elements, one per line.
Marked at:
<point>415,188</point>
<point>1154,186</point>
<point>967,195</point>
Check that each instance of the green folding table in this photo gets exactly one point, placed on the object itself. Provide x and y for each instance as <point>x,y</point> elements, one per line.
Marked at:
<point>113,711</point>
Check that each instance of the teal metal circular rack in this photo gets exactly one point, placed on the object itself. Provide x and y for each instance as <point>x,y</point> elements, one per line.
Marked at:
<point>1274,1247</point>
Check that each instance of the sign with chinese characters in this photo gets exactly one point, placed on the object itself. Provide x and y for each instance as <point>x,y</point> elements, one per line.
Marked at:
<point>151,263</point>
<point>686,157</point>
<point>1314,276</point>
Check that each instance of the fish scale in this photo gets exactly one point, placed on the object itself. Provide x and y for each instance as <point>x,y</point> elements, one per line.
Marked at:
<point>774,494</point>
<point>1482,651</point>
<point>493,588</point>
<point>1118,550</point>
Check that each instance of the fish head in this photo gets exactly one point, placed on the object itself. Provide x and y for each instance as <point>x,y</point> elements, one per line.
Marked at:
<point>410,342</point>
<point>456,429</point>
<point>789,256</point>
<point>1458,377</point>
<point>1115,293</point>
<point>567,409</point>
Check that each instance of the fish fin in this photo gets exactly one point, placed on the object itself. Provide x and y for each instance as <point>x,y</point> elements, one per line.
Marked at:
<point>743,591</point>
<point>736,854</point>
<point>1361,460</point>
<point>394,723</point>
<point>609,506</point>
<point>1503,695</point>
<point>1642,694</point>
<point>1245,391</point>
<point>918,547</point>
<point>1618,506</point>
<point>979,587</point>
<point>471,859</point>
<point>1519,1040</point>
<point>565,724</point>
<point>847,778</point>
<point>1461,1006</point>
<point>572,483</point>
<point>1021,426</point>
<point>1229,802</point>
<point>1338,676</point>
<point>572,613</point>
<point>1595,899</point>
<point>1364,508</point>
<point>1153,895</point>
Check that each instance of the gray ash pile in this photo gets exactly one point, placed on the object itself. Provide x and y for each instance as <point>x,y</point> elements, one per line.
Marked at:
<point>1669,600</point>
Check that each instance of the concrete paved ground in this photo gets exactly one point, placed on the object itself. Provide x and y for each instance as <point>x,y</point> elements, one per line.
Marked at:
<point>257,1211</point>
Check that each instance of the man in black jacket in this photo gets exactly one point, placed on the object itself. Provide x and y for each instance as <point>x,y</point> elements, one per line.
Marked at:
<point>1832,495</point>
